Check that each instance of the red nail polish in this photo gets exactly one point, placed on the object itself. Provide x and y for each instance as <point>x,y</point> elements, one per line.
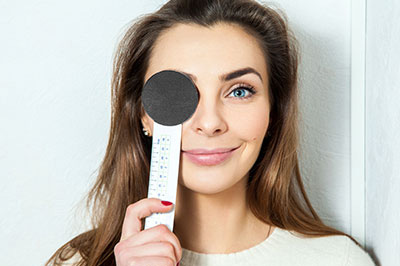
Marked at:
<point>166,203</point>
<point>177,264</point>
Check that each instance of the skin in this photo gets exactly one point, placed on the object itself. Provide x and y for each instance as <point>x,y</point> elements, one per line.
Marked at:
<point>211,213</point>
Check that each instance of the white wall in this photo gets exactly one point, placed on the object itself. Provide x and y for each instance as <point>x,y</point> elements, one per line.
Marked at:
<point>323,30</point>
<point>55,112</point>
<point>383,127</point>
<point>55,76</point>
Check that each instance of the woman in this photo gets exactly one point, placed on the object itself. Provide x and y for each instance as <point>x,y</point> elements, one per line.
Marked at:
<point>249,209</point>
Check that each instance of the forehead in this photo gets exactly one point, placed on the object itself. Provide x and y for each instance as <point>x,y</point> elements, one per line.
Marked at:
<point>198,49</point>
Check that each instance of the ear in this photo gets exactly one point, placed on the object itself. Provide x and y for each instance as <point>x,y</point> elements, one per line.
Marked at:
<point>147,122</point>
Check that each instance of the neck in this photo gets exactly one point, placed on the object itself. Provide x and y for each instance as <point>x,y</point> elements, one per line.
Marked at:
<point>217,223</point>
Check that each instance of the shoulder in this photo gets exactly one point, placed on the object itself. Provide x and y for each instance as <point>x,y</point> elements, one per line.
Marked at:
<point>328,250</point>
<point>357,256</point>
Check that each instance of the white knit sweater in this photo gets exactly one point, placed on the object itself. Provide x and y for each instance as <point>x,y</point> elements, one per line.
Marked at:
<point>283,248</point>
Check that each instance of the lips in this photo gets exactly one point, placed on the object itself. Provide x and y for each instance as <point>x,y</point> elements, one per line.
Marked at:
<point>209,157</point>
<point>205,151</point>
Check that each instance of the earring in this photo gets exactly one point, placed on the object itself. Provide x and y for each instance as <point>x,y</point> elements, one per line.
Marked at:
<point>145,132</point>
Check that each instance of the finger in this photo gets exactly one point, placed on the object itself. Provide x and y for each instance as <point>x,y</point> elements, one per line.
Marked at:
<point>135,212</point>
<point>151,261</point>
<point>154,234</point>
<point>152,249</point>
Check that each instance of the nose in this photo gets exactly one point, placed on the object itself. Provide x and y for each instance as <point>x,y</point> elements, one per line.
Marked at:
<point>208,119</point>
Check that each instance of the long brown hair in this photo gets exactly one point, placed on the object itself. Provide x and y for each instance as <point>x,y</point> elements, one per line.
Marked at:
<point>276,194</point>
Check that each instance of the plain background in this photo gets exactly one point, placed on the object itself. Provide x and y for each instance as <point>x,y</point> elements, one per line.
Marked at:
<point>56,64</point>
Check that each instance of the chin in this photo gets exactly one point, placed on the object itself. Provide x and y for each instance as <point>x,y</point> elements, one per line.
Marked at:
<point>205,184</point>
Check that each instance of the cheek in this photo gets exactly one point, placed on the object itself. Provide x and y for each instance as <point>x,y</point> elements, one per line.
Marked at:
<point>251,125</point>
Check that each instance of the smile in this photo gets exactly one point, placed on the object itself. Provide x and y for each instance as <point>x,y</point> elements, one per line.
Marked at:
<point>209,159</point>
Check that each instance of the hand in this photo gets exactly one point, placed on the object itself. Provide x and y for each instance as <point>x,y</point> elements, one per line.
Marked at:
<point>156,246</point>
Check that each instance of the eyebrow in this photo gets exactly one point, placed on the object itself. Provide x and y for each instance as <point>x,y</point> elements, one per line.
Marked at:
<point>231,75</point>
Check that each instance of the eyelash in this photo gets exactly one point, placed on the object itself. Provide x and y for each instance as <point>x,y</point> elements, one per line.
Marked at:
<point>248,88</point>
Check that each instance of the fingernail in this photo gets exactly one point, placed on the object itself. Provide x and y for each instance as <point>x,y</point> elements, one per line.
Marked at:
<point>177,264</point>
<point>166,203</point>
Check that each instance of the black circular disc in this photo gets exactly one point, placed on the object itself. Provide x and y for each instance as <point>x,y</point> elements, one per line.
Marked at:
<point>169,97</point>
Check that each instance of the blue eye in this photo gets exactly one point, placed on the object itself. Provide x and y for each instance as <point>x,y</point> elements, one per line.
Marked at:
<point>240,92</point>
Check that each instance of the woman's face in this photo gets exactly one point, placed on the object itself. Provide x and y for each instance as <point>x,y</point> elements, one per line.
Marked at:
<point>228,115</point>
